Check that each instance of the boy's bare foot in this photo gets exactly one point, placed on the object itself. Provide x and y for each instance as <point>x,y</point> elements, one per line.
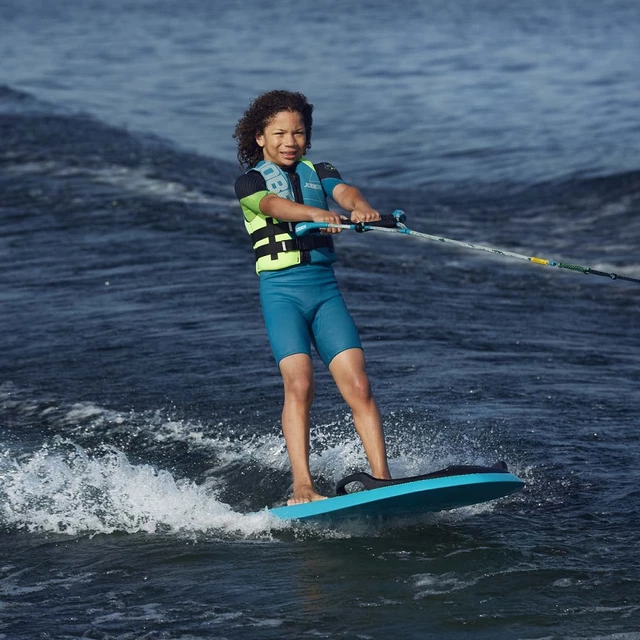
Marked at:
<point>304,494</point>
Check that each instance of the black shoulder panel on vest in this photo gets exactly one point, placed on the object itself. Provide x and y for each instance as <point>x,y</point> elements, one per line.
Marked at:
<point>249,183</point>
<point>327,170</point>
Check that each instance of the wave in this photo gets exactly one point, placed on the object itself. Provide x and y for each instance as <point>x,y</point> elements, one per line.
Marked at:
<point>61,489</point>
<point>35,129</point>
<point>82,171</point>
<point>13,101</point>
<point>88,469</point>
<point>44,140</point>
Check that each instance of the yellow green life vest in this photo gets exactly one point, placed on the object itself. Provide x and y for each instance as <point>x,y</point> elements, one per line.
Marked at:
<point>275,244</point>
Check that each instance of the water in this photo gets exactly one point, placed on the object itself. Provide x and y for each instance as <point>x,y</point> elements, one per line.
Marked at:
<point>139,403</point>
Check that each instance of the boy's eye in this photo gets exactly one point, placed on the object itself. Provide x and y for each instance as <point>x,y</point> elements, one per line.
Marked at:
<point>295,133</point>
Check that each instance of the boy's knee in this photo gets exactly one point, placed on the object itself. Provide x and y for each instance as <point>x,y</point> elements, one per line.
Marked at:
<point>299,388</point>
<point>359,389</point>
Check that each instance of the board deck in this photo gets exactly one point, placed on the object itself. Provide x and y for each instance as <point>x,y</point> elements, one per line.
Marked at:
<point>408,499</point>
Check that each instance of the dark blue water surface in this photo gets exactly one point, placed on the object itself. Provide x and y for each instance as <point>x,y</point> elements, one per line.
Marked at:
<point>139,402</point>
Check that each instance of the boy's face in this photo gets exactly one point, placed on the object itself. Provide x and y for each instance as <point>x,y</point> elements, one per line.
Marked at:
<point>283,140</point>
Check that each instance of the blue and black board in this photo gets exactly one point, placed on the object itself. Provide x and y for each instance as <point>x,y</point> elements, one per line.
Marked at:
<point>450,488</point>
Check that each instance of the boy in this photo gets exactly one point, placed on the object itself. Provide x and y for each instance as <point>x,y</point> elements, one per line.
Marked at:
<point>301,303</point>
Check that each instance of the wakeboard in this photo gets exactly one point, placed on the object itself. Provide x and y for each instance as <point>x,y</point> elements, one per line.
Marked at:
<point>450,488</point>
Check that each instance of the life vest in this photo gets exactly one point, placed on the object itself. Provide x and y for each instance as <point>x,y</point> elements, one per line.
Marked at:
<point>275,244</point>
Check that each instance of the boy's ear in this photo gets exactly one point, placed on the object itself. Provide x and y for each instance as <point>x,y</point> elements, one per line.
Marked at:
<point>260,138</point>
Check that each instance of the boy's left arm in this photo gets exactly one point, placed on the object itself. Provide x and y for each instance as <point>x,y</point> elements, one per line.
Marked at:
<point>350,199</point>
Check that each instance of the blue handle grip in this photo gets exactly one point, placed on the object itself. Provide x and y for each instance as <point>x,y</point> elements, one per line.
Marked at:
<point>388,220</point>
<point>302,228</point>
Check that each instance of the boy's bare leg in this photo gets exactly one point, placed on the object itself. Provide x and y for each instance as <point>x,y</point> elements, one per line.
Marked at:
<point>348,371</point>
<point>297,375</point>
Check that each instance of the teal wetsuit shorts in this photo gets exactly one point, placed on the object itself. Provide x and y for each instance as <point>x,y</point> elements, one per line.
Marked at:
<point>302,306</point>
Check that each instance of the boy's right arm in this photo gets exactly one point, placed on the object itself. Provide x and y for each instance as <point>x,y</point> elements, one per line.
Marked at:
<point>251,190</point>
<point>283,209</point>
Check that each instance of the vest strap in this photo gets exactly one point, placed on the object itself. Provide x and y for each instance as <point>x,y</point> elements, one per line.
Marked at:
<point>304,245</point>
<point>272,227</point>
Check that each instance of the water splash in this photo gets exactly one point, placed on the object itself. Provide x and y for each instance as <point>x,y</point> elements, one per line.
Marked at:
<point>93,469</point>
<point>62,489</point>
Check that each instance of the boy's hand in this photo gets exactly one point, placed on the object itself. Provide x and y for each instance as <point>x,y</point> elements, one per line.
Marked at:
<point>364,214</point>
<point>320,215</point>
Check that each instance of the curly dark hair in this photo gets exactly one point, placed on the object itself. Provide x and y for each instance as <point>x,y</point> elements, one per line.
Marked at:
<point>258,116</point>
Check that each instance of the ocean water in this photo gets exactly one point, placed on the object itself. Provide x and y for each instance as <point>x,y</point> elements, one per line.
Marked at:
<point>139,402</point>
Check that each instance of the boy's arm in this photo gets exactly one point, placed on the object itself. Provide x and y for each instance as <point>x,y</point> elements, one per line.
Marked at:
<point>251,190</point>
<point>350,199</point>
<point>283,209</point>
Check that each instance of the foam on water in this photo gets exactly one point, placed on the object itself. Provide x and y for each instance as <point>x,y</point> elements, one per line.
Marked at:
<point>128,180</point>
<point>84,481</point>
<point>63,489</point>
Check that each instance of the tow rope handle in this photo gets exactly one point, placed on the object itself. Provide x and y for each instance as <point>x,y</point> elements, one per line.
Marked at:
<point>387,220</point>
<point>394,223</point>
